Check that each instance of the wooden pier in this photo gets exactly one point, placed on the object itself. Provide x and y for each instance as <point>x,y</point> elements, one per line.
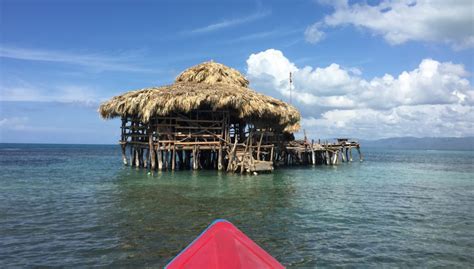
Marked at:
<point>207,139</point>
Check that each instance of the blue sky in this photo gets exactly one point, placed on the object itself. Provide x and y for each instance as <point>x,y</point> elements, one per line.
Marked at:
<point>368,69</point>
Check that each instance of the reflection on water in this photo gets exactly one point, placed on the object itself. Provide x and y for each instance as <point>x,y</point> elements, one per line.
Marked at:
<point>77,206</point>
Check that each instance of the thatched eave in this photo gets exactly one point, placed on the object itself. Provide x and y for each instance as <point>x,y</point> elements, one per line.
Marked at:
<point>206,85</point>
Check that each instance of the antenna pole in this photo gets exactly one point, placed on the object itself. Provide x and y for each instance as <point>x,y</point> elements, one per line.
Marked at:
<point>291,81</point>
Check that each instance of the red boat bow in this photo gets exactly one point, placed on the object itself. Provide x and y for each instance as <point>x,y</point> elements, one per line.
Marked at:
<point>223,246</point>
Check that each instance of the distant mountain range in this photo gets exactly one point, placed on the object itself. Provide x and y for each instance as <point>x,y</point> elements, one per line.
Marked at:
<point>433,143</point>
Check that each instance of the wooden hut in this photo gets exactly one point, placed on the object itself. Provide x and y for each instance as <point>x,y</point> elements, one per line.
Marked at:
<point>208,119</point>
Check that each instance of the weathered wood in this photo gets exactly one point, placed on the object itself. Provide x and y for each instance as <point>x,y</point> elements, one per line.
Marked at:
<point>166,159</point>
<point>360,154</point>
<point>195,164</point>
<point>220,165</point>
<point>159,154</point>
<point>206,143</point>
<point>271,154</point>
<point>137,157</point>
<point>124,154</point>
<point>262,166</point>
<point>232,157</point>
<point>173,158</point>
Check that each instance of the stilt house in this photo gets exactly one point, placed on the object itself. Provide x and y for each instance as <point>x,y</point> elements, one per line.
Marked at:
<point>208,118</point>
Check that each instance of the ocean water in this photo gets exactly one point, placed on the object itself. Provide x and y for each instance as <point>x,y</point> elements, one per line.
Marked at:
<point>77,206</point>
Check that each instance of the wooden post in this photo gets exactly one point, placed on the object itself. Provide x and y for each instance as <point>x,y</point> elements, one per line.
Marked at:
<point>147,158</point>
<point>165,156</point>
<point>271,153</point>
<point>220,165</point>
<point>194,158</point>
<point>343,157</point>
<point>151,150</point>
<point>137,157</point>
<point>123,141</point>
<point>198,158</point>
<point>160,156</point>
<point>123,145</point>
<point>360,154</point>
<point>350,153</point>
<point>230,165</point>
<point>173,158</point>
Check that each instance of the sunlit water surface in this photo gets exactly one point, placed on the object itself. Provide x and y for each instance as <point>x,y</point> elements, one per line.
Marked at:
<point>77,206</point>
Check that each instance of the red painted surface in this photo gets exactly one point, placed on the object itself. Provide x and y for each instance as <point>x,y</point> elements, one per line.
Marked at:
<point>223,246</point>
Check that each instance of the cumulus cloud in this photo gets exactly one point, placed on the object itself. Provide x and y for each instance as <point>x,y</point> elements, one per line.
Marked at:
<point>401,21</point>
<point>436,96</point>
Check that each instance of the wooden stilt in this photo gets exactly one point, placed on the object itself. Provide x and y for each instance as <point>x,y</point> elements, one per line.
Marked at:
<point>360,154</point>
<point>166,156</point>
<point>123,145</point>
<point>198,158</point>
<point>173,158</point>
<point>195,164</point>
<point>159,153</point>
<point>151,150</point>
<point>137,157</point>
<point>220,165</point>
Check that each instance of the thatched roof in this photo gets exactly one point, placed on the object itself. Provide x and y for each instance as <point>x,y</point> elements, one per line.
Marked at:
<point>210,85</point>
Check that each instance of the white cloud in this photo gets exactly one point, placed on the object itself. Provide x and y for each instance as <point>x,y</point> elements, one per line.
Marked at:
<point>229,23</point>
<point>435,95</point>
<point>121,62</point>
<point>312,34</point>
<point>449,22</point>
<point>27,92</point>
<point>418,121</point>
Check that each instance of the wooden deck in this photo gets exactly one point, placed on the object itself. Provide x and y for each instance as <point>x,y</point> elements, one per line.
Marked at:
<point>210,140</point>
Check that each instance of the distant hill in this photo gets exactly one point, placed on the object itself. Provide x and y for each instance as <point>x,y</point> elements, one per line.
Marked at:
<point>434,143</point>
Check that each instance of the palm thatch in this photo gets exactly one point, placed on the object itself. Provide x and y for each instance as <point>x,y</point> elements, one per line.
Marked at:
<point>207,85</point>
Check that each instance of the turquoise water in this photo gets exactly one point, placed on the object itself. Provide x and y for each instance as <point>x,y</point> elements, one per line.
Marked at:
<point>77,206</point>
